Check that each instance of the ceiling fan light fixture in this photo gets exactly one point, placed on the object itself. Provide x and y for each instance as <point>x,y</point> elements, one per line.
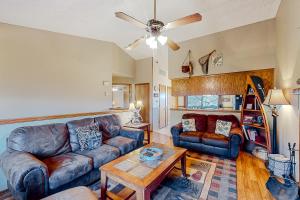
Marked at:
<point>155,27</point>
<point>162,39</point>
<point>151,42</point>
<point>153,45</point>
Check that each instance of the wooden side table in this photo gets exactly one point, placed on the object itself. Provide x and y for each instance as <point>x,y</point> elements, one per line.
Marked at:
<point>143,126</point>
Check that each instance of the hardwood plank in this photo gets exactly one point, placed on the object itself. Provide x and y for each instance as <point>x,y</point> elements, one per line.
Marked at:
<point>252,176</point>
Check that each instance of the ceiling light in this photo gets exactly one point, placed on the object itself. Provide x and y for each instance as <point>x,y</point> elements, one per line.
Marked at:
<point>150,40</point>
<point>162,39</point>
<point>153,45</point>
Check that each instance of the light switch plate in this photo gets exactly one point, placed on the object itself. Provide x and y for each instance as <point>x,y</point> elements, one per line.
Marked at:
<point>106,83</point>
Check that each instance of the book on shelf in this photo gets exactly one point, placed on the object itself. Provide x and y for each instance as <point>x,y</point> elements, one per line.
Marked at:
<point>245,132</point>
<point>248,119</point>
<point>252,134</point>
<point>256,105</point>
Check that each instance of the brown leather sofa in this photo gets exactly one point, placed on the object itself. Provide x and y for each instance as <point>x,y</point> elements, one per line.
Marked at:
<point>46,159</point>
<point>204,138</point>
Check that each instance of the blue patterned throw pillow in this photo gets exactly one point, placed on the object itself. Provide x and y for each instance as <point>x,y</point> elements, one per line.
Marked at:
<point>223,127</point>
<point>89,137</point>
<point>188,125</point>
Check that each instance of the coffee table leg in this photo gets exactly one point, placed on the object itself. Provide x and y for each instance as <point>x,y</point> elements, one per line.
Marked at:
<point>183,165</point>
<point>143,195</point>
<point>103,185</point>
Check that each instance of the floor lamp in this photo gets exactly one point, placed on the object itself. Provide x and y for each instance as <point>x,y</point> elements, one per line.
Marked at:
<point>274,100</point>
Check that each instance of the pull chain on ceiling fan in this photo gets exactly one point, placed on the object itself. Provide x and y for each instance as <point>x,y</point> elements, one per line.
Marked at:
<point>154,29</point>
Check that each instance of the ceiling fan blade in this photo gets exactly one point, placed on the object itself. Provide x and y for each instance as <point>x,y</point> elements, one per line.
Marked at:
<point>135,43</point>
<point>173,45</point>
<point>130,19</point>
<point>183,21</point>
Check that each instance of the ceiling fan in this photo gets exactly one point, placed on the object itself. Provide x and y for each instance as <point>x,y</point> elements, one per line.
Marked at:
<point>154,29</point>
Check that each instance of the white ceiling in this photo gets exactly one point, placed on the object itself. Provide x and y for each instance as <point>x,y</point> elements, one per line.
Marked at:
<point>95,18</point>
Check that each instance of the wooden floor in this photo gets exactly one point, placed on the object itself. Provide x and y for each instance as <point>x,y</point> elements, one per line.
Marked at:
<point>252,174</point>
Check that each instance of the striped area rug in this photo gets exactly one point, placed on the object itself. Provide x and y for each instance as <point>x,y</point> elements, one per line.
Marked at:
<point>224,181</point>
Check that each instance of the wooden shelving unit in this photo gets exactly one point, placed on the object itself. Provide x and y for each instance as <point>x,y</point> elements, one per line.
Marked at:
<point>253,117</point>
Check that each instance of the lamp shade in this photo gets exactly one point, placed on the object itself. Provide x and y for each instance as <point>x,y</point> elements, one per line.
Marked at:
<point>275,97</point>
<point>131,106</point>
<point>139,104</point>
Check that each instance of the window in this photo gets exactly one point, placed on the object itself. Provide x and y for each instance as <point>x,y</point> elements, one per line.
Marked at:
<point>120,96</point>
<point>203,102</point>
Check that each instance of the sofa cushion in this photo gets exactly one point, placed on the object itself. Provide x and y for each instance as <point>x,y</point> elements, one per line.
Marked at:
<point>200,120</point>
<point>41,141</point>
<point>192,136</point>
<point>124,144</point>
<point>76,193</point>
<point>110,125</point>
<point>212,120</point>
<point>72,126</point>
<point>188,125</point>
<point>223,127</point>
<point>215,140</point>
<point>101,155</point>
<point>89,137</point>
<point>67,167</point>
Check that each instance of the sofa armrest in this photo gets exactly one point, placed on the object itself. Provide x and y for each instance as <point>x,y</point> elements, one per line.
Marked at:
<point>25,173</point>
<point>237,132</point>
<point>176,131</point>
<point>136,134</point>
<point>236,138</point>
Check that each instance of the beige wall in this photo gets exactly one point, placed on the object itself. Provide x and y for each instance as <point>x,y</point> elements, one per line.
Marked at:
<point>124,65</point>
<point>143,71</point>
<point>244,48</point>
<point>288,58</point>
<point>45,73</point>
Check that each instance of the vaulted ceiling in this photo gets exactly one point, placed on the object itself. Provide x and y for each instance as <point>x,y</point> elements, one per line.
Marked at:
<point>95,18</point>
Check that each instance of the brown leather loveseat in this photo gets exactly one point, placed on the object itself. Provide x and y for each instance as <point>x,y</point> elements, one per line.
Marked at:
<point>204,138</point>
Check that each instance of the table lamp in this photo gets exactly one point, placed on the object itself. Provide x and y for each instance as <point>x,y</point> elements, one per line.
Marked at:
<point>274,100</point>
<point>136,109</point>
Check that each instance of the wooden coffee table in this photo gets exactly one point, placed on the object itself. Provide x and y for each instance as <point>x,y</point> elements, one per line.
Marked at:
<point>142,177</point>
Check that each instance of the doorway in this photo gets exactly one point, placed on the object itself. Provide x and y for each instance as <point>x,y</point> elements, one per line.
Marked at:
<point>169,103</point>
<point>142,93</point>
<point>162,106</point>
